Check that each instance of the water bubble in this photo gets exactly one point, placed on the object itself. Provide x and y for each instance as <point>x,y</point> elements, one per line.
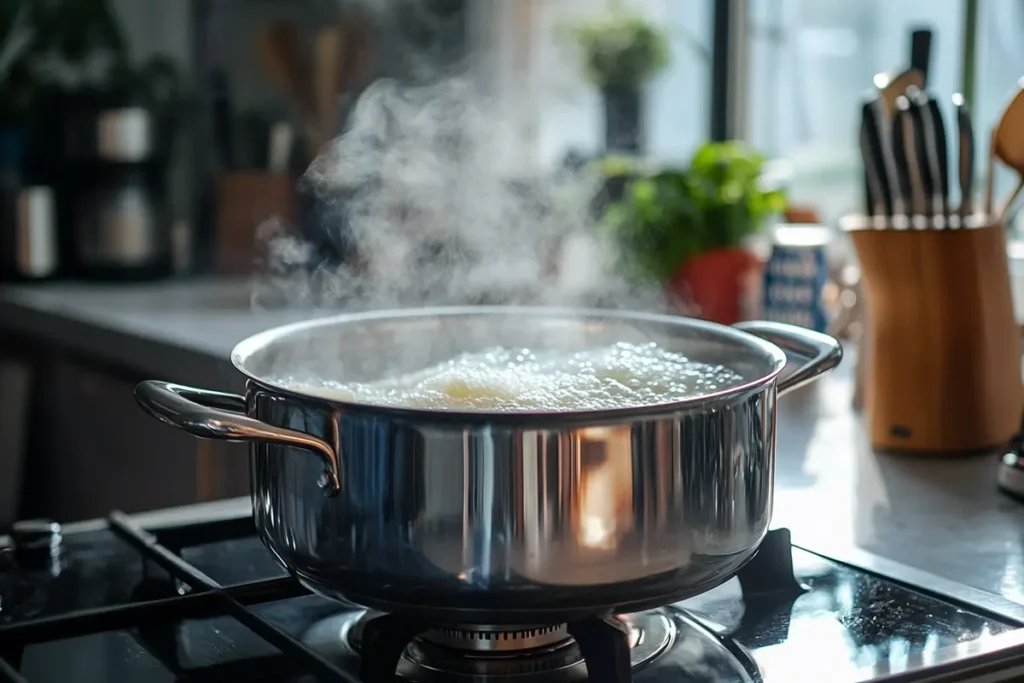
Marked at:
<point>620,376</point>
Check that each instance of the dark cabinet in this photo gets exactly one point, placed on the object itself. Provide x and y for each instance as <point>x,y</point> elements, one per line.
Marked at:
<point>91,449</point>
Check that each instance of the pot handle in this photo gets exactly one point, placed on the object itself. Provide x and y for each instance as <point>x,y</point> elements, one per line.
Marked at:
<point>817,353</point>
<point>216,415</point>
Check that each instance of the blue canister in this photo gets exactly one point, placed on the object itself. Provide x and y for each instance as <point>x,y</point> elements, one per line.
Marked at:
<point>795,276</point>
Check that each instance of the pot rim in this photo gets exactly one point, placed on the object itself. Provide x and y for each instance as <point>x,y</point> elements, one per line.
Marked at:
<point>261,340</point>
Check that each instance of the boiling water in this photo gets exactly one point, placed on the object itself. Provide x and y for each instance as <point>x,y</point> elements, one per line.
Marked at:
<point>619,376</point>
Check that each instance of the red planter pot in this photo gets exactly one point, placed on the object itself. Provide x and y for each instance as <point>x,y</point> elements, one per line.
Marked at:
<point>715,285</point>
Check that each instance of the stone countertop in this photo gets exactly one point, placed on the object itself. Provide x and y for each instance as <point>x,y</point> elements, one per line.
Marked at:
<point>943,516</point>
<point>180,329</point>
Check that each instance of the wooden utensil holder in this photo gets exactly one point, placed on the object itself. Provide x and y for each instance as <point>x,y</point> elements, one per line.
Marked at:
<point>245,200</point>
<point>943,352</point>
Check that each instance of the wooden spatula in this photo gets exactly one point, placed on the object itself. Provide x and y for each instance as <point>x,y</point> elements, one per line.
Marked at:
<point>328,55</point>
<point>1008,147</point>
<point>289,66</point>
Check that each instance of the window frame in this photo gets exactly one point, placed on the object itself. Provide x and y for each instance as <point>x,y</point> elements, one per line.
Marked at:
<point>730,44</point>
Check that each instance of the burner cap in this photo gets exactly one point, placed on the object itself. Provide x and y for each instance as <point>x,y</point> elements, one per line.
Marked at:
<point>490,653</point>
<point>497,638</point>
<point>35,539</point>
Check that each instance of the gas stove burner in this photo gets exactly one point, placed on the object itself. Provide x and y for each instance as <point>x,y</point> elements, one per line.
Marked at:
<point>766,628</point>
<point>491,654</point>
<point>497,638</point>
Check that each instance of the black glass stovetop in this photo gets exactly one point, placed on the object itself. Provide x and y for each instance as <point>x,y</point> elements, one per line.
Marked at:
<point>206,602</point>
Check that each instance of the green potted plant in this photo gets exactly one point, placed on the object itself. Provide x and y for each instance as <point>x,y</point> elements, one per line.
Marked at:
<point>621,52</point>
<point>685,229</point>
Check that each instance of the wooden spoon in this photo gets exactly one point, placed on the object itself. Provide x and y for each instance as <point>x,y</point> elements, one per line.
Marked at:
<point>358,63</point>
<point>1007,146</point>
<point>329,53</point>
<point>288,62</point>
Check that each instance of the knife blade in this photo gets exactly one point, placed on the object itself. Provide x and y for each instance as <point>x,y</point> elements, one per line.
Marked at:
<point>965,163</point>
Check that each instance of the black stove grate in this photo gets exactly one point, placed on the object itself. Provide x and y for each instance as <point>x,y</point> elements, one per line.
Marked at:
<point>8,673</point>
<point>148,544</point>
<point>206,598</point>
<point>156,606</point>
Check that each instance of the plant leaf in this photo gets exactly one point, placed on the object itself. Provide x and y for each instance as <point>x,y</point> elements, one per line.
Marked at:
<point>672,215</point>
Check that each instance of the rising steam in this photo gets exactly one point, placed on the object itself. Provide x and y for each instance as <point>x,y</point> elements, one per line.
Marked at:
<point>419,193</point>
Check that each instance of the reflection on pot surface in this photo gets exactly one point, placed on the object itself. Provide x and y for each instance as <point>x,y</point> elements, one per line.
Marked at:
<point>606,496</point>
<point>428,509</point>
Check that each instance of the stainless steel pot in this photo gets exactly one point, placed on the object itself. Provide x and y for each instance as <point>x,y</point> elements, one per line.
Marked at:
<point>482,517</point>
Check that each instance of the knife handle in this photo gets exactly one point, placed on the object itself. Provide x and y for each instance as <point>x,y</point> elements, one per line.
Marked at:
<point>900,164</point>
<point>921,52</point>
<point>925,143</point>
<point>916,169</point>
<point>941,152</point>
<point>965,162</point>
<point>874,160</point>
<point>875,204</point>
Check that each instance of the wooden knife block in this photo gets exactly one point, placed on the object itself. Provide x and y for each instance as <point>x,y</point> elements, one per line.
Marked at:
<point>943,350</point>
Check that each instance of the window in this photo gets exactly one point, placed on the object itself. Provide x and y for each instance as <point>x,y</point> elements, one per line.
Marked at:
<point>536,73</point>
<point>812,63</point>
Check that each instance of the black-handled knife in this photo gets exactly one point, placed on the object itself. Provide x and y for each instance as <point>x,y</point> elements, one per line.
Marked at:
<point>881,201</point>
<point>941,154</point>
<point>927,156</point>
<point>871,200</point>
<point>921,52</point>
<point>916,170</point>
<point>900,161</point>
<point>965,163</point>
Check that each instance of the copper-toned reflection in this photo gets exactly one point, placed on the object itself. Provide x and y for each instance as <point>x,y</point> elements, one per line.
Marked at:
<point>606,493</point>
